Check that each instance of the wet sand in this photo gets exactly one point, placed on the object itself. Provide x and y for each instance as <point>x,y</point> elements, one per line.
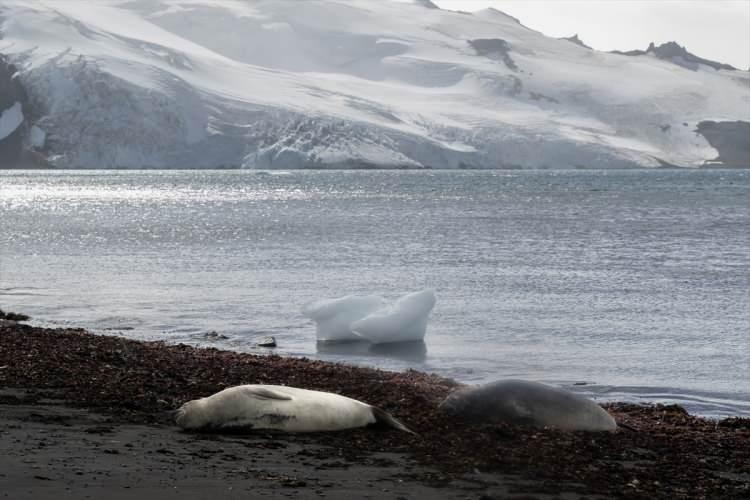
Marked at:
<point>86,416</point>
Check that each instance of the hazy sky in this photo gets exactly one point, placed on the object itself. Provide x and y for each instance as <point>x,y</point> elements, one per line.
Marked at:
<point>714,29</point>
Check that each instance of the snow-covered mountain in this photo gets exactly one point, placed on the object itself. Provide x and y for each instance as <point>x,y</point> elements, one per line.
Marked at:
<point>346,83</point>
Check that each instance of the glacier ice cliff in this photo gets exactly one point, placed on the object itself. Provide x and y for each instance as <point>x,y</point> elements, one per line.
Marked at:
<point>346,84</point>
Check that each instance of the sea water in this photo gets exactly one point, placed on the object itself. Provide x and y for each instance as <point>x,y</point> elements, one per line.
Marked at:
<point>626,285</point>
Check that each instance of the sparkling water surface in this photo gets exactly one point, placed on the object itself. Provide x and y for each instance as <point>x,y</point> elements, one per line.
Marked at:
<point>636,283</point>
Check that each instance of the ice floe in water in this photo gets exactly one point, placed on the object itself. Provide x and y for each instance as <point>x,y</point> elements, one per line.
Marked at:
<point>333,317</point>
<point>371,318</point>
<point>404,321</point>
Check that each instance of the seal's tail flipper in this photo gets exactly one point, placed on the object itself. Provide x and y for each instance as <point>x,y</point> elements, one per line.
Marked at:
<point>385,418</point>
<point>179,415</point>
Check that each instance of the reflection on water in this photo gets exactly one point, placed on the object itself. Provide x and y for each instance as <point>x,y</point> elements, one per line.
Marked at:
<point>408,351</point>
<point>413,352</point>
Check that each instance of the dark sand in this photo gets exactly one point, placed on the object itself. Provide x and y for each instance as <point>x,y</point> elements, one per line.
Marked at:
<point>88,416</point>
<point>51,450</point>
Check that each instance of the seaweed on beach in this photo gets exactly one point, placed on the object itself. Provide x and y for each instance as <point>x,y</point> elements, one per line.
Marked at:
<point>672,453</point>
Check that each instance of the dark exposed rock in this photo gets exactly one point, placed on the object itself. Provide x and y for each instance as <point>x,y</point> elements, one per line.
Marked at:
<point>679,55</point>
<point>574,39</point>
<point>427,3</point>
<point>214,335</point>
<point>730,139</point>
<point>267,342</point>
<point>672,51</point>
<point>11,316</point>
<point>636,52</point>
<point>536,96</point>
<point>494,48</point>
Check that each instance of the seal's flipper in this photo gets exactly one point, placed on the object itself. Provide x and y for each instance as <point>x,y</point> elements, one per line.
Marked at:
<point>385,418</point>
<point>265,393</point>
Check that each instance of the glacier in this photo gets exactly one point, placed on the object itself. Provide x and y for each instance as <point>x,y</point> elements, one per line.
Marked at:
<point>348,84</point>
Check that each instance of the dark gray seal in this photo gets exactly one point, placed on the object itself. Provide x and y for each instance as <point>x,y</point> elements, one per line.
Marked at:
<point>528,403</point>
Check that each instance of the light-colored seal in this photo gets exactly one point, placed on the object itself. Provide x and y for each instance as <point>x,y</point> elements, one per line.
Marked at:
<point>530,403</point>
<point>281,408</point>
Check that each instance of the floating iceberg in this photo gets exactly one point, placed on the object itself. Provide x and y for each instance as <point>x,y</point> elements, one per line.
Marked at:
<point>404,321</point>
<point>333,317</point>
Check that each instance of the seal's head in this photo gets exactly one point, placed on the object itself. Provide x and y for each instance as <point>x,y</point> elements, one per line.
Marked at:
<point>191,415</point>
<point>463,401</point>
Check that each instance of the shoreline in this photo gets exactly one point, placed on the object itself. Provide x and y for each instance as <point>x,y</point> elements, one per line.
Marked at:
<point>133,383</point>
<point>706,165</point>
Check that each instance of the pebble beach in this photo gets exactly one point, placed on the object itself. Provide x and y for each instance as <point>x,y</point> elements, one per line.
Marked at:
<point>60,388</point>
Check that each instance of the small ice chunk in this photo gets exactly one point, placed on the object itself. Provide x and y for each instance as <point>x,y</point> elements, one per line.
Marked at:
<point>333,317</point>
<point>404,321</point>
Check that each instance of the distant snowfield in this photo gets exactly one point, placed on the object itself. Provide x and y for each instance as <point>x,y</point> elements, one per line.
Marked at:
<point>346,83</point>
